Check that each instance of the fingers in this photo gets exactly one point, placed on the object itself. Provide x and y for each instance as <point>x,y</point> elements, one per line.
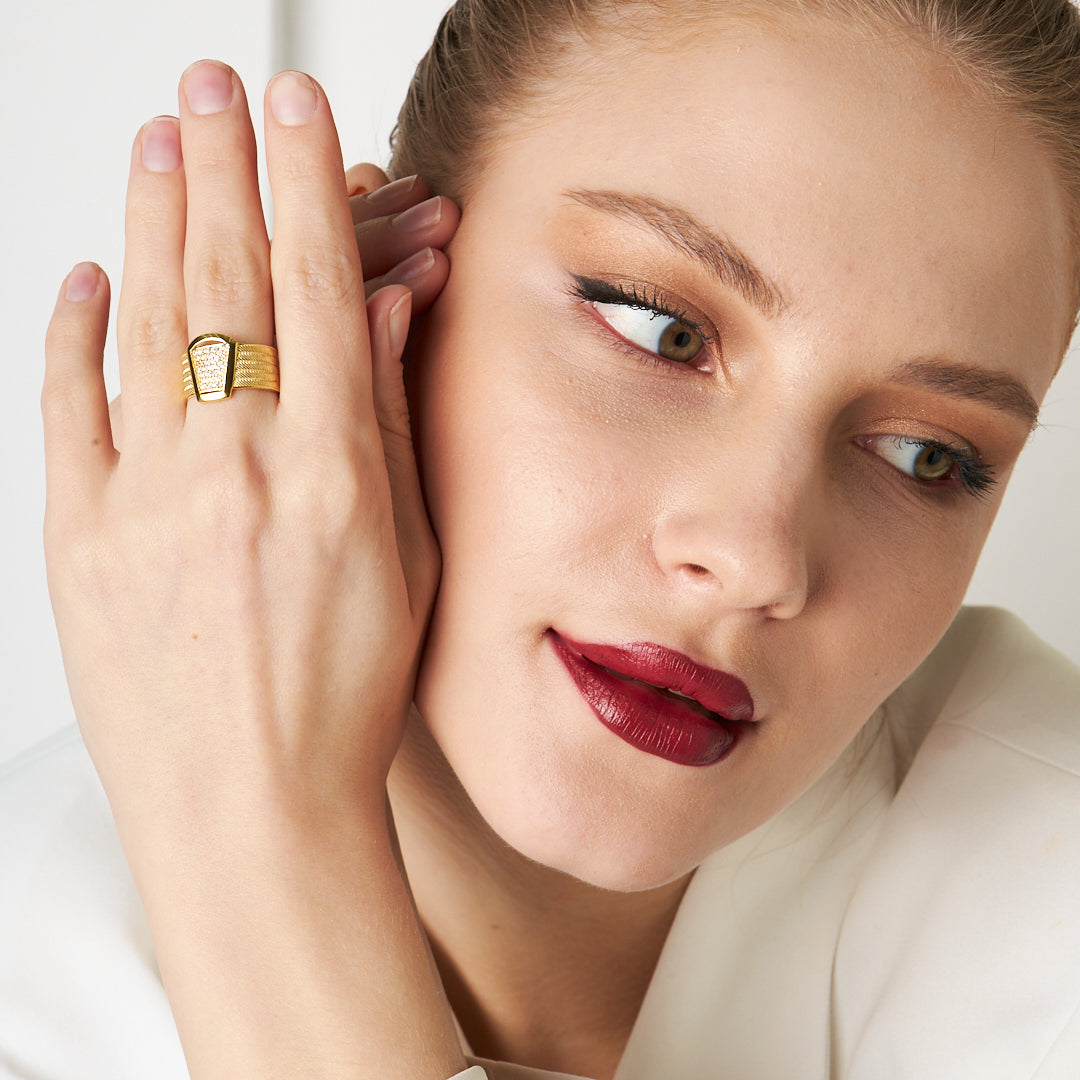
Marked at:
<point>389,312</point>
<point>385,241</point>
<point>227,252</point>
<point>152,320</point>
<point>399,231</point>
<point>390,198</point>
<point>423,273</point>
<point>364,177</point>
<point>74,406</point>
<point>315,266</point>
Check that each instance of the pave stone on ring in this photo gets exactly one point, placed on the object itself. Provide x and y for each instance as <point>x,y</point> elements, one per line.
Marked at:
<point>215,365</point>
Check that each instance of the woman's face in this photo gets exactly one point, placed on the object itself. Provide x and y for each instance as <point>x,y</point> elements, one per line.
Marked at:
<point>740,343</point>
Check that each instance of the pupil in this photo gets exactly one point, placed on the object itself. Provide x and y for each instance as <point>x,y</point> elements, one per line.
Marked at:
<point>682,339</point>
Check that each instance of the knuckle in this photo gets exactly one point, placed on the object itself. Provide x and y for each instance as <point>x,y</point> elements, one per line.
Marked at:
<point>331,498</point>
<point>325,274</point>
<point>214,159</point>
<point>149,212</point>
<point>63,335</point>
<point>299,165</point>
<point>230,503</point>
<point>157,330</point>
<point>64,402</point>
<point>78,562</point>
<point>232,274</point>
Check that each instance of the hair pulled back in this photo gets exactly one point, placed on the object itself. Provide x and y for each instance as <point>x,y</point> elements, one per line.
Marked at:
<point>491,57</point>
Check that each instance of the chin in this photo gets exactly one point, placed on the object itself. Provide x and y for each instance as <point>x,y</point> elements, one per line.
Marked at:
<point>586,833</point>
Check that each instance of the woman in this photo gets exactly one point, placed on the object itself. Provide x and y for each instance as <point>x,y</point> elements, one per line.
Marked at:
<point>751,311</point>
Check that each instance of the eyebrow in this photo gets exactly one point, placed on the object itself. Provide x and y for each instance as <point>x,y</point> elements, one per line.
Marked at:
<point>733,268</point>
<point>993,388</point>
<point>687,235</point>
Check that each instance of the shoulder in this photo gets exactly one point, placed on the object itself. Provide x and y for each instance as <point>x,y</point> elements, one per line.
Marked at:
<point>990,675</point>
<point>960,951</point>
<point>79,992</point>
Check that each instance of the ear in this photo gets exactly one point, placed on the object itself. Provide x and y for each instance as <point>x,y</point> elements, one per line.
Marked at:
<point>363,178</point>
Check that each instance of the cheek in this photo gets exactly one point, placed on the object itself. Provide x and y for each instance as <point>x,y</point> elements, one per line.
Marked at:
<point>544,483</point>
<point>892,584</point>
<point>515,458</point>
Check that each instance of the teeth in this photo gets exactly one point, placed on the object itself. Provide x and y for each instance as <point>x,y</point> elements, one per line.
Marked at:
<point>680,697</point>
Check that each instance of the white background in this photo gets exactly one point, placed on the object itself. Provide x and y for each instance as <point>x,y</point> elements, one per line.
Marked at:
<point>79,78</point>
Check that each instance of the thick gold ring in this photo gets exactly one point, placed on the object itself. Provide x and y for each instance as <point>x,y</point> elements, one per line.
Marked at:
<point>215,365</point>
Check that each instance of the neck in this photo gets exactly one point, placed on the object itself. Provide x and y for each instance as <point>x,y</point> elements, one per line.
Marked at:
<point>541,969</point>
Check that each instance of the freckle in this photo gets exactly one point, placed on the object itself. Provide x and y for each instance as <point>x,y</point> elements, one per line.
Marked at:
<point>96,442</point>
<point>194,637</point>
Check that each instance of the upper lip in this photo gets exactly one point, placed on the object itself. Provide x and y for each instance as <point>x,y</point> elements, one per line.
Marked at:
<point>667,669</point>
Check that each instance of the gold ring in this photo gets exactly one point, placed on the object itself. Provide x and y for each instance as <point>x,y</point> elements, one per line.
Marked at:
<point>215,365</point>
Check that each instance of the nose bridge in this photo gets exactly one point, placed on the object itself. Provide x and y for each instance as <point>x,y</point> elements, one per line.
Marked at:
<point>739,527</point>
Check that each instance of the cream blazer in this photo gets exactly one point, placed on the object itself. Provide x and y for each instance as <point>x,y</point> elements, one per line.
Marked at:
<point>914,916</point>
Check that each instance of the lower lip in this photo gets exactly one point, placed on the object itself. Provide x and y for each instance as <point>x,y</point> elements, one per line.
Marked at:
<point>646,718</point>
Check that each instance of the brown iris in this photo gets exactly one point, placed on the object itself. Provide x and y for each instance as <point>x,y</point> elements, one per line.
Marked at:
<point>680,342</point>
<point>932,464</point>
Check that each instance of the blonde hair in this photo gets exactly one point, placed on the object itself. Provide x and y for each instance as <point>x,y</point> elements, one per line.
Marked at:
<point>491,57</point>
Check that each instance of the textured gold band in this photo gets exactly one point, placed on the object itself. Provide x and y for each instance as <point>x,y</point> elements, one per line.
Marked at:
<point>215,365</point>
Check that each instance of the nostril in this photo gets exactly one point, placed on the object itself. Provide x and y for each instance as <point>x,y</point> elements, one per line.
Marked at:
<point>696,571</point>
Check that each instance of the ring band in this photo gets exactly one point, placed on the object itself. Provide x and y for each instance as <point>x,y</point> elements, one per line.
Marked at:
<point>215,365</point>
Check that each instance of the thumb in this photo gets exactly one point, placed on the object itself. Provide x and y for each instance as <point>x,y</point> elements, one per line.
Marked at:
<point>389,311</point>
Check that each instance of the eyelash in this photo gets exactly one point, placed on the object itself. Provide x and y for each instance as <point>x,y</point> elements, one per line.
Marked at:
<point>644,298</point>
<point>973,476</point>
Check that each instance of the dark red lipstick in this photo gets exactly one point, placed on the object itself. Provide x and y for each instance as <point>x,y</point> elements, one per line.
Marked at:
<point>659,700</point>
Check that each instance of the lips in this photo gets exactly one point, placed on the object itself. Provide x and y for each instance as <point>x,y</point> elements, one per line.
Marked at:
<point>659,700</point>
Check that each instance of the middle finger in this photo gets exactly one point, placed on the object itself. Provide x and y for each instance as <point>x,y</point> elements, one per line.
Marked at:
<point>227,252</point>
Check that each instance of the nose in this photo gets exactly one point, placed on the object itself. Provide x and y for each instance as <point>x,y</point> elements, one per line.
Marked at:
<point>737,536</point>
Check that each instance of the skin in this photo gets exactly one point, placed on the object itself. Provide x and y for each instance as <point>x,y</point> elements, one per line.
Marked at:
<point>741,516</point>
<point>201,576</point>
<point>741,513</point>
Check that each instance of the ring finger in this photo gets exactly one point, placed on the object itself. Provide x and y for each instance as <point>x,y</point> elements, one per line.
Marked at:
<point>226,253</point>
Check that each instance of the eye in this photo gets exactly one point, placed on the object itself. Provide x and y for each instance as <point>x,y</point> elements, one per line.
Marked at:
<point>650,321</point>
<point>666,335</point>
<point>933,464</point>
<point>921,461</point>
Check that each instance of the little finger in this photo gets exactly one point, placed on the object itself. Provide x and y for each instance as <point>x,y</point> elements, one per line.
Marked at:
<point>74,406</point>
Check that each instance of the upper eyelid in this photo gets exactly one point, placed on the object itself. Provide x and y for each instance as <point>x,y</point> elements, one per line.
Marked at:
<point>586,288</point>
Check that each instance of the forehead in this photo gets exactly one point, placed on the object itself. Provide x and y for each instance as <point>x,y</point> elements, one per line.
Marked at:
<point>859,172</point>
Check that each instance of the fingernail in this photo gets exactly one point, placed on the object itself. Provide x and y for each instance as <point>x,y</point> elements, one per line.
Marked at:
<point>208,87</point>
<point>161,145</point>
<point>421,216</point>
<point>390,193</point>
<point>292,98</point>
<point>82,282</point>
<point>398,325</point>
<point>413,267</point>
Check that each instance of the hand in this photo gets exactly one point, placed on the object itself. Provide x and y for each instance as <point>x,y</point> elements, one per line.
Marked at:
<point>241,594</point>
<point>394,250</point>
